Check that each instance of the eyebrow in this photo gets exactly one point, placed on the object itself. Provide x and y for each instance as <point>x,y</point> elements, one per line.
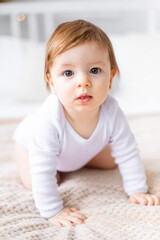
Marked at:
<point>94,63</point>
<point>99,62</point>
<point>66,65</point>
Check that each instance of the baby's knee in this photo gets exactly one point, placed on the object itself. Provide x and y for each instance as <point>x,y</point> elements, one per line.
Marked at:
<point>58,177</point>
<point>112,166</point>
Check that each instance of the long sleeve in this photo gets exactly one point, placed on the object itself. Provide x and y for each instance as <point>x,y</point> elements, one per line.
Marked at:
<point>43,152</point>
<point>126,154</point>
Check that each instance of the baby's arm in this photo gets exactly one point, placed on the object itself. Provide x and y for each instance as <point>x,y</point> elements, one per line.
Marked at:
<point>43,152</point>
<point>43,161</point>
<point>126,155</point>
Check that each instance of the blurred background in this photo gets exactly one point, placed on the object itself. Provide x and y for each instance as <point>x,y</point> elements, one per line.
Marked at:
<point>132,25</point>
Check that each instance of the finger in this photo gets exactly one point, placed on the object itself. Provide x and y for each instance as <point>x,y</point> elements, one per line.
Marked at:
<point>133,200</point>
<point>150,200</point>
<point>59,224</point>
<point>79,215</point>
<point>156,200</point>
<point>64,214</point>
<point>66,222</point>
<point>75,220</point>
<point>74,209</point>
<point>141,200</point>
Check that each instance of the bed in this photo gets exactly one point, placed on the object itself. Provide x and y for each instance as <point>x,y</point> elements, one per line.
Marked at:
<point>97,193</point>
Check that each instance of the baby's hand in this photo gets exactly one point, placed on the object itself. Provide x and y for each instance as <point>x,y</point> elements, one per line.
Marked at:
<point>68,217</point>
<point>145,199</point>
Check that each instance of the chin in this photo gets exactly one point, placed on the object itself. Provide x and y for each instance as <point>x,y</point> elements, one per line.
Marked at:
<point>86,108</point>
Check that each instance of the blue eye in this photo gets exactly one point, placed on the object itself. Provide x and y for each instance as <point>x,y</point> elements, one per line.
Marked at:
<point>95,70</point>
<point>68,73</point>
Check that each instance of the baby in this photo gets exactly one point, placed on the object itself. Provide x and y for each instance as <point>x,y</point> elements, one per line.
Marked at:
<point>78,124</point>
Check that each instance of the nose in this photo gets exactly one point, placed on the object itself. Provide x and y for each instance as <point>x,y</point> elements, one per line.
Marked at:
<point>83,81</point>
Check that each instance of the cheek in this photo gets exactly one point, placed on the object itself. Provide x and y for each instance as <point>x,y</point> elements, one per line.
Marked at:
<point>102,88</point>
<point>103,84</point>
<point>64,90</point>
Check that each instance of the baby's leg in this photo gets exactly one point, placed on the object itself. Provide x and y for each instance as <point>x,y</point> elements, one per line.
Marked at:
<point>102,160</point>
<point>22,160</point>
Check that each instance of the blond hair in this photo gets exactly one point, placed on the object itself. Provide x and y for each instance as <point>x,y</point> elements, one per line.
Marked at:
<point>68,35</point>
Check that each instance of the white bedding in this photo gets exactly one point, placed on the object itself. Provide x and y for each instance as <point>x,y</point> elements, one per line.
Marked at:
<point>97,193</point>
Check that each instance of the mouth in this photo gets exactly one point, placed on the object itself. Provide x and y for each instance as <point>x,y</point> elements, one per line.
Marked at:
<point>84,98</point>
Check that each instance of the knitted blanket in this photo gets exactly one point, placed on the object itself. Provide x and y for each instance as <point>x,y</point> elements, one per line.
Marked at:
<point>97,193</point>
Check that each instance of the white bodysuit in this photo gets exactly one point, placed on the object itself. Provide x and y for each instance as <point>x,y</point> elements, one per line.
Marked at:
<point>54,145</point>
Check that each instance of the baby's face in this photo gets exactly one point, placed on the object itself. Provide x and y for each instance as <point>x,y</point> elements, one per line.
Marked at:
<point>84,69</point>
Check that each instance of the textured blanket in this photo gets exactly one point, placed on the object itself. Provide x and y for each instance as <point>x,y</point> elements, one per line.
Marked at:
<point>97,193</point>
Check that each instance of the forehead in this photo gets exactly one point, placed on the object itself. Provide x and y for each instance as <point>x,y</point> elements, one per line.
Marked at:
<point>87,51</point>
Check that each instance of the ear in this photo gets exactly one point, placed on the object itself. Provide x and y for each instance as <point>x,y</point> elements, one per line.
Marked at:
<point>113,73</point>
<point>50,82</point>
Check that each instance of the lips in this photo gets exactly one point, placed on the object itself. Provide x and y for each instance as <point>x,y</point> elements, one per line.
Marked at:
<point>84,98</point>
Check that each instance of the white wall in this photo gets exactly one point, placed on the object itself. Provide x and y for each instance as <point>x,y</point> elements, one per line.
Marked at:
<point>136,40</point>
